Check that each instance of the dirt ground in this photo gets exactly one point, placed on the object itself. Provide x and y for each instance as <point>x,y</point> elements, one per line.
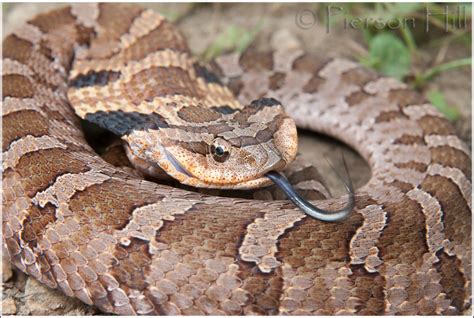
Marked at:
<point>201,24</point>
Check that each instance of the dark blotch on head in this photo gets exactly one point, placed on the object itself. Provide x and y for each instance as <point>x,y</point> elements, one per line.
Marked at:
<point>225,109</point>
<point>207,75</point>
<point>219,128</point>
<point>264,102</point>
<point>201,147</point>
<point>123,123</point>
<point>93,78</point>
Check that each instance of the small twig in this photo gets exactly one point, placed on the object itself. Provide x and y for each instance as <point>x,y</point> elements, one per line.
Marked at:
<point>442,52</point>
<point>432,72</point>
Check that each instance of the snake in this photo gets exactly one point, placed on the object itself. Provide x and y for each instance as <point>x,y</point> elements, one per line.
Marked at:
<point>130,246</point>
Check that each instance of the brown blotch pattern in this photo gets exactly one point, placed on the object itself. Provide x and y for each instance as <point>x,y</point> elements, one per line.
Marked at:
<point>405,97</point>
<point>36,222</point>
<point>17,49</point>
<point>275,123</point>
<point>133,263</point>
<point>409,140</point>
<point>104,208</point>
<point>117,18</point>
<point>165,36</point>
<point>452,279</point>
<point>252,60</point>
<point>235,85</point>
<point>452,157</point>
<point>403,186</point>
<point>198,114</point>
<point>363,201</point>
<point>22,51</point>
<point>309,63</point>
<point>265,288</point>
<point>308,249</point>
<point>358,76</point>
<point>264,135</point>
<point>404,236</point>
<point>368,291</point>
<point>418,166</point>
<point>158,82</point>
<point>242,116</point>
<point>356,98</point>
<point>207,236</point>
<point>432,125</point>
<point>313,84</point>
<point>401,247</point>
<point>455,210</point>
<point>22,123</point>
<point>389,116</point>
<point>53,20</point>
<point>40,168</point>
<point>18,86</point>
<point>277,80</point>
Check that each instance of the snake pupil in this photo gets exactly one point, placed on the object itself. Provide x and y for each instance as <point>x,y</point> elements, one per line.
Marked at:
<point>219,151</point>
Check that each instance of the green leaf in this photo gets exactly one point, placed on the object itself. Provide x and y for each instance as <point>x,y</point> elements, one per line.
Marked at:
<point>437,99</point>
<point>389,55</point>
<point>233,38</point>
<point>248,37</point>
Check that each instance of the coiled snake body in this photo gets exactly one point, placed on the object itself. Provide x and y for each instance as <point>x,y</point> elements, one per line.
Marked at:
<point>130,246</point>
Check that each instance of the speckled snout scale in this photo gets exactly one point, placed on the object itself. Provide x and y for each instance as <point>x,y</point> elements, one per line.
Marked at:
<point>129,246</point>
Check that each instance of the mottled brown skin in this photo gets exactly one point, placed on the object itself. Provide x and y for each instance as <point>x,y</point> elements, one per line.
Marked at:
<point>129,246</point>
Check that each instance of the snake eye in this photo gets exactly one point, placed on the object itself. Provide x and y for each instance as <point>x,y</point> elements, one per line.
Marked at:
<point>219,151</point>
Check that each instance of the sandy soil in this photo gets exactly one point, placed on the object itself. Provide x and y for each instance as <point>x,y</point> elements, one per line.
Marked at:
<point>201,24</point>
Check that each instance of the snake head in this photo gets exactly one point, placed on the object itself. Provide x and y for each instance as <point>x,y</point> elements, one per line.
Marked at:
<point>217,147</point>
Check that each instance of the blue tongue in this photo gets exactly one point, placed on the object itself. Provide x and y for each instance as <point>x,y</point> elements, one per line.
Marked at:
<point>308,208</point>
